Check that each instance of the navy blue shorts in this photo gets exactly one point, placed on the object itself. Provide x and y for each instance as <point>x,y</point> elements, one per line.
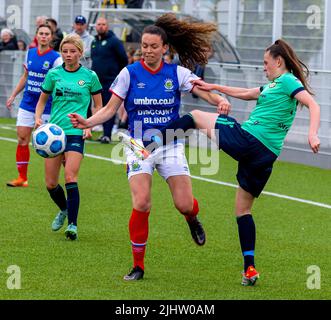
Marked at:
<point>75,143</point>
<point>255,160</point>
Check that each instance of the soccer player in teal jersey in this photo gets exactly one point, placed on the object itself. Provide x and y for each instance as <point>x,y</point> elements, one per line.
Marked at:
<point>71,86</point>
<point>256,143</point>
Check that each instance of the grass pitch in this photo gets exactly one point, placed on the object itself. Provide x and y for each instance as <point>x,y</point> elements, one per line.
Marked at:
<point>291,236</point>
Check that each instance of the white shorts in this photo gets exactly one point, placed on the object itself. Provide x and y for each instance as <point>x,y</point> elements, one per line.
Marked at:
<point>26,118</point>
<point>168,160</point>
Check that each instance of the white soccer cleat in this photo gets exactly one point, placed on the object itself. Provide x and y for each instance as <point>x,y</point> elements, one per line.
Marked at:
<point>131,143</point>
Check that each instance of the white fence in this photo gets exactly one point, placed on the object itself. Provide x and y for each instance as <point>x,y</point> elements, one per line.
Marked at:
<point>296,146</point>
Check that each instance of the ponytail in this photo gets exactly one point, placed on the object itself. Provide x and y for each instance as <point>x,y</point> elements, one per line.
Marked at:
<point>292,62</point>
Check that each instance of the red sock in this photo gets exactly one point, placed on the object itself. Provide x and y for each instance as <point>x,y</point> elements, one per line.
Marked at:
<point>22,160</point>
<point>138,228</point>
<point>195,210</point>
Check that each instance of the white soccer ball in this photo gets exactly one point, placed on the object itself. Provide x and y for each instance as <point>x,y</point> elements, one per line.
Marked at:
<point>49,140</point>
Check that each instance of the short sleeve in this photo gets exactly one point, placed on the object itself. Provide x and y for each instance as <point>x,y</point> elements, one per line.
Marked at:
<point>121,84</point>
<point>185,76</point>
<point>58,61</point>
<point>95,84</point>
<point>48,84</point>
<point>292,85</point>
<point>25,63</point>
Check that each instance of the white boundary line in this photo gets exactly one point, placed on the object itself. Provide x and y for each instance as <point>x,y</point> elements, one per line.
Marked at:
<point>272,194</point>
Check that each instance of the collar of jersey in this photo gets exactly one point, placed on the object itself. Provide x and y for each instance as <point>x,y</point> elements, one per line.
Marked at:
<point>41,54</point>
<point>149,69</point>
<point>63,66</point>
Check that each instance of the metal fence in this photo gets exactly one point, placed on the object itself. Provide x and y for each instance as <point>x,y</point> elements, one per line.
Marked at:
<point>296,146</point>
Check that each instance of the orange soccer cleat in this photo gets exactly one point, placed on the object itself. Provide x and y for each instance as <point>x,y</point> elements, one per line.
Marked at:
<point>250,276</point>
<point>19,182</point>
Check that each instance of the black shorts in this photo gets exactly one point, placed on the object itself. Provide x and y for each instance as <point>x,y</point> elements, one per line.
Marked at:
<point>255,160</point>
<point>75,143</point>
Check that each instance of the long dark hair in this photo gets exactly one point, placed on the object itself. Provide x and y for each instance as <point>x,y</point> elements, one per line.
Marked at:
<point>292,62</point>
<point>190,39</point>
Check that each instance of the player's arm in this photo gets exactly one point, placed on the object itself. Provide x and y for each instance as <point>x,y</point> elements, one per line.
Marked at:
<point>314,110</point>
<point>40,108</point>
<point>223,105</point>
<point>236,92</point>
<point>20,86</point>
<point>104,114</point>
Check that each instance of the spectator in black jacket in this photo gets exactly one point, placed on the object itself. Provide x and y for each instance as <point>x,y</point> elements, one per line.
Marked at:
<point>57,33</point>
<point>108,59</point>
<point>8,40</point>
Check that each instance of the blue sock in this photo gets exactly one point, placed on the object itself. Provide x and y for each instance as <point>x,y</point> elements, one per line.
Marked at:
<point>246,229</point>
<point>58,196</point>
<point>184,123</point>
<point>72,202</point>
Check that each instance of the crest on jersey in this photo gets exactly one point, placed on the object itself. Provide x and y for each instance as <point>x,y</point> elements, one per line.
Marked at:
<point>135,166</point>
<point>272,85</point>
<point>46,65</point>
<point>81,82</point>
<point>168,84</point>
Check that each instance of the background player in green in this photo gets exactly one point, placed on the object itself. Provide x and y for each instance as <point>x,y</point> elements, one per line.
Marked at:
<point>256,143</point>
<point>71,86</point>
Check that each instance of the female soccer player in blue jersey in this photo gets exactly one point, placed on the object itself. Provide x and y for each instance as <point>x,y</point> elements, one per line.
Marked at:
<point>37,63</point>
<point>257,143</point>
<point>71,86</point>
<point>151,91</point>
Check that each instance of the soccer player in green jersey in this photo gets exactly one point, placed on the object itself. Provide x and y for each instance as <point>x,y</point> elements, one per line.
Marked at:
<point>257,142</point>
<point>71,86</point>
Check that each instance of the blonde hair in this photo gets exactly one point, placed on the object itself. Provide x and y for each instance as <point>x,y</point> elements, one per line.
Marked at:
<point>75,40</point>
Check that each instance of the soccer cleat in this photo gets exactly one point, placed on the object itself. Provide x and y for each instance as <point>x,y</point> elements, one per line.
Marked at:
<point>249,277</point>
<point>59,220</point>
<point>197,232</point>
<point>131,143</point>
<point>135,274</point>
<point>71,232</point>
<point>19,182</point>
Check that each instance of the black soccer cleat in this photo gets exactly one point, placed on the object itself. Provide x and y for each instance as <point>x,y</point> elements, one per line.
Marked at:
<point>135,274</point>
<point>197,232</point>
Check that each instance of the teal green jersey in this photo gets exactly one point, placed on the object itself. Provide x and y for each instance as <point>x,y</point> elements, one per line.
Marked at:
<point>274,112</point>
<point>71,92</point>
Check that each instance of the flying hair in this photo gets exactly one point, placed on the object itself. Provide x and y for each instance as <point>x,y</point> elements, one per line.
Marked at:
<point>190,39</point>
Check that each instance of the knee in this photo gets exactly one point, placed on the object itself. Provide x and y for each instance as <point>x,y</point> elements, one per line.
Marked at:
<point>184,207</point>
<point>51,184</point>
<point>142,203</point>
<point>69,177</point>
<point>23,140</point>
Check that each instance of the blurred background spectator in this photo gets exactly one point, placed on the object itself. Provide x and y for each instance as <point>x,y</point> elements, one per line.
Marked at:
<point>21,45</point>
<point>57,34</point>
<point>137,55</point>
<point>108,59</point>
<point>8,40</point>
<point>79,27</point>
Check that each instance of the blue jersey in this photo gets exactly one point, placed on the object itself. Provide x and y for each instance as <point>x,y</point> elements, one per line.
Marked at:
<point>151,98</point>
<point>37,65</point>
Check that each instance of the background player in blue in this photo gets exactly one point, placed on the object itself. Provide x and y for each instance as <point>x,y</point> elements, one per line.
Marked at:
<point>38,61</point>
<point>257,142</point>
<point>151,92</point>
